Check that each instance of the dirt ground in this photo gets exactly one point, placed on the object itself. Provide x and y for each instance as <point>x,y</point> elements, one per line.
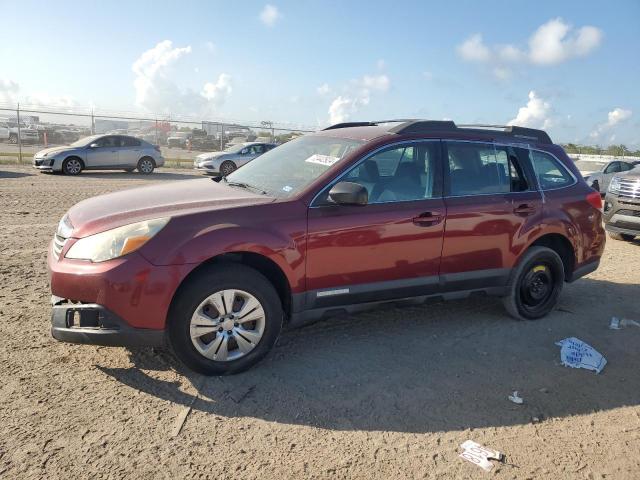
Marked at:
<point>385,394</point>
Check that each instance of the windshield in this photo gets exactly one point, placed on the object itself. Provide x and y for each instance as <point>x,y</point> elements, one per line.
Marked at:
<point>289,168</point>
<point>84,141</point>
<point>589,166</point>
<point>234,148</point>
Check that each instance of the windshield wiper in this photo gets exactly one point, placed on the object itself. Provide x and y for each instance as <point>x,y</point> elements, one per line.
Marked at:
<point>246,186</point>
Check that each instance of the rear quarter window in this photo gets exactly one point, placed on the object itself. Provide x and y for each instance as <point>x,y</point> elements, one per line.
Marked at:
<point>551,173</point>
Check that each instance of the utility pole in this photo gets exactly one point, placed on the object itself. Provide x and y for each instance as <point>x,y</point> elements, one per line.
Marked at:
<point>19,137</point>
<point>93,123</point>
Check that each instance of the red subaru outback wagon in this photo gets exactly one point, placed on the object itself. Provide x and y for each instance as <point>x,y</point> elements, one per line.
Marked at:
<point>338,221</point>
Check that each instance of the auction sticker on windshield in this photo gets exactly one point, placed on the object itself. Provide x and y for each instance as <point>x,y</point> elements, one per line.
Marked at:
<point>326,160</point>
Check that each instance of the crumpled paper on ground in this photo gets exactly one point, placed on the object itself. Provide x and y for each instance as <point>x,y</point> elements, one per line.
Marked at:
<point>575,353</point>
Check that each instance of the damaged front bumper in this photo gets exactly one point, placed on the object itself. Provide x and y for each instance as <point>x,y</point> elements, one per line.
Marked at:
<point>94,324</point>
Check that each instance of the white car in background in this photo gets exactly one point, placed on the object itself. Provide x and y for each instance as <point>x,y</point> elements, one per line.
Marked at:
<point>4,132</point>
<point>598,173</point>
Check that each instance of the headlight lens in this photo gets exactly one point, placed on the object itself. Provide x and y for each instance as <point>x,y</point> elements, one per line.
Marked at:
<point>116,242</point>
<point>614,186</point>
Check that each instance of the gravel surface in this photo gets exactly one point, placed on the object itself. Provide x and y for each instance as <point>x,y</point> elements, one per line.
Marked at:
<point>384,394</point>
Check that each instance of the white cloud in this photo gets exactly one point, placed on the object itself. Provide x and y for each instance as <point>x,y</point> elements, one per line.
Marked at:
<point>535,114</point>
<point>358,95</point>
<point>270,15</point>
<point>323,89</point>
<point>556,41</point>
<point>155,91</point>
<point>219,91</point>
<point>474,50</point>
<point>614,117</point>
<point>10,94</point>
<point>380,83</point>
<point>552,43</point>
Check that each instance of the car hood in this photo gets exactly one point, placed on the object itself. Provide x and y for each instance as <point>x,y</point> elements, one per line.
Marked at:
<point>210,156</point>
<point>49,151</point>
<point>170,199</point>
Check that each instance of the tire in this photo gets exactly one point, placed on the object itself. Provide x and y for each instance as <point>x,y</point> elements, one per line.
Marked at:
<point>227,168</point>
<point>535,284</point>
<point>72,166</point>
<point>146,165</point>
<point>625,237</point>
<point>193,304</point>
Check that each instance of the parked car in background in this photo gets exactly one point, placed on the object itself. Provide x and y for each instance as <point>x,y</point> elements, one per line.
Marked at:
<point>622,206</point>
<point>598,174</point>
<point>27,135</point>
<point>100,152</point>
<point>338,221</point>
<point>178,139</point>
<point>4,132</point>
<point>231,158</point>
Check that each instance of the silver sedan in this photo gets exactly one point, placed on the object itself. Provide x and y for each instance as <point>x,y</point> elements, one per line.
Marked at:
<point>100,152</point>
<point>234,156</point>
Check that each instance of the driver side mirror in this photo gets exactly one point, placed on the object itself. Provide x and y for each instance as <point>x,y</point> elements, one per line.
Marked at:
<point>349,193</point>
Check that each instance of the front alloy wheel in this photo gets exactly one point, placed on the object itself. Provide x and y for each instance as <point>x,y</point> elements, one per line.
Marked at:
<point>225,319</point>
<point>227,325</point>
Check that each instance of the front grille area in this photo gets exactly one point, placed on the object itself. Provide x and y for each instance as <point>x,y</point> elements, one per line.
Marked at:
<point>58,245</point>
<point>629,213</point>
<point>629,187</point>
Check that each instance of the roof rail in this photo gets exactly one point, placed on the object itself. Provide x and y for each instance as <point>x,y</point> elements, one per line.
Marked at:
<point>350,124</point>
<point>413,126</point>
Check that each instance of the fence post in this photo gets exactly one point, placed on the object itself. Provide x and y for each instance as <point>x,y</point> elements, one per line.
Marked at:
<point>93,124</point>
<point>19,137</point>
<point>222,137</point>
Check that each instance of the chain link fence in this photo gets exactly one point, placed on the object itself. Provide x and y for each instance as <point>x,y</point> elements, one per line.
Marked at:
<point>27,129</point>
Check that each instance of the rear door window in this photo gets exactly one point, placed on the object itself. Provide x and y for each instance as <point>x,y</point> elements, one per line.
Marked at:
<point>130,142</point>
<point>549,170</point>
<point>483,168</point>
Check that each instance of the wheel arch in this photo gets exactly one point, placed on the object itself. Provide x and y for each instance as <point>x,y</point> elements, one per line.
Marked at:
<point>562,246</point>
<point>261,263</point>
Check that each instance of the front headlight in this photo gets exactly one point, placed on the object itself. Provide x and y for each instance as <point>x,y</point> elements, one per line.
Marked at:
<point>116,242</point>
<point>614,186</point>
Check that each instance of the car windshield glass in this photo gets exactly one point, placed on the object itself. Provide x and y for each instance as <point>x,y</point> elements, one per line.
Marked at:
<point>234,148</point>
<point>84,141</point>
<point>589,166</point>
<point>289,168</point>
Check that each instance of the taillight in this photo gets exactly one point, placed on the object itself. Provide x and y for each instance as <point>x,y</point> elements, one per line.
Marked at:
<point>595,200</point>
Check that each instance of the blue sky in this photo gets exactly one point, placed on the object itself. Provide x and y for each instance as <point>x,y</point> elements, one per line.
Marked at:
<point>570,67</point>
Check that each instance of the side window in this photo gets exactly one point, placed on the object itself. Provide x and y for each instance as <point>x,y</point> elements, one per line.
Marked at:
<point>613,167</point>
<point>130,142</point>
<point>550,172</point>
<point>108,142</point>
<point>399,174</point>
<point>624,166</point>
<point>483,168</point>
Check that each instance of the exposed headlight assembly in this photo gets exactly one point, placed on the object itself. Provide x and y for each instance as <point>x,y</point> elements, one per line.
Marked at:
<point>116,242</point>
<point>614,186</point>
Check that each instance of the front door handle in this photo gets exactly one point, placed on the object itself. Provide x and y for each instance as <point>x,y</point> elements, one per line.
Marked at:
<point>524,209</point>
<point>427,219</point>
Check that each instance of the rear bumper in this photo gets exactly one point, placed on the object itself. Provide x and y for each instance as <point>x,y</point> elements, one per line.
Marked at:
<point>94,324</point>
<point>584,269</point>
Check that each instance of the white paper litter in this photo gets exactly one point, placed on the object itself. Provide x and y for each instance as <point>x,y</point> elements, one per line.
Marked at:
<point>515,398</point>
<point>475,453</point>
<point>575,353</point>
<point>617,324</point>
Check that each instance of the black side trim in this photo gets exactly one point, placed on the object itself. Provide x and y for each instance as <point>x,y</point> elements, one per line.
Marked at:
<point>316,304</point>
<point>584,270</point>
<point>94,324</point>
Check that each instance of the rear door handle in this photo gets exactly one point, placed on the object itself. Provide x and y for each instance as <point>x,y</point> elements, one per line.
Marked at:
<point>427,219</point>
<point>524,209</point>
